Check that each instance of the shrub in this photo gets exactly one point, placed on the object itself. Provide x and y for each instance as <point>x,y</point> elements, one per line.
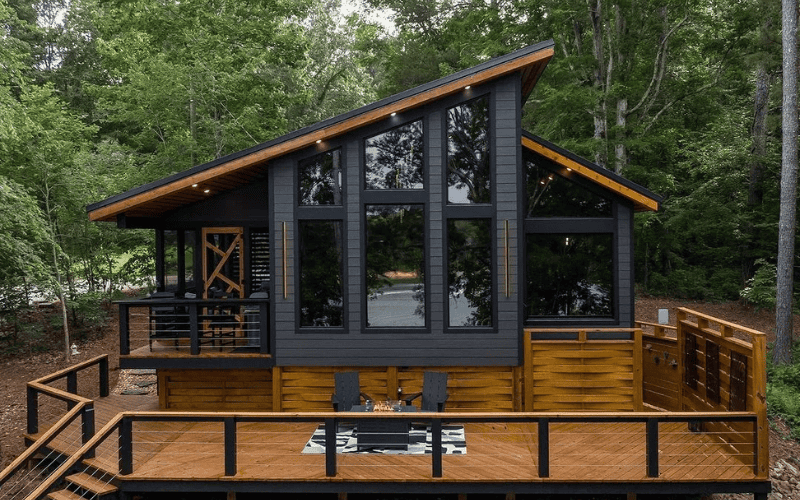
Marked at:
<point>783,391</point>
<point>761,288</point>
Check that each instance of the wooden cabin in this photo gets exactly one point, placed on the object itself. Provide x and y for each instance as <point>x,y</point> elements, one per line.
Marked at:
<point>423,232</point>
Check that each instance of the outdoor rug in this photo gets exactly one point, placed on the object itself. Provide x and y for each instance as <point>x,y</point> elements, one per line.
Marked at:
<point>453,441</point>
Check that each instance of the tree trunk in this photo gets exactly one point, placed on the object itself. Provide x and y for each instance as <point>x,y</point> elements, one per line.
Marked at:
<point>620,153</point>
<point>782,351</point>
<point>600,111</point>
<point>755,192</point>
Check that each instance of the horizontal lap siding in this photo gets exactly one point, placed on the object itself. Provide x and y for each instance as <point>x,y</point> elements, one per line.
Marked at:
<point>215,390</point>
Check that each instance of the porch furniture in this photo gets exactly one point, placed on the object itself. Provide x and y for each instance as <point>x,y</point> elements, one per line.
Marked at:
<point>347,391</point>
<point>167,321</point>
<point>221,320</point>
<point>434,392</point>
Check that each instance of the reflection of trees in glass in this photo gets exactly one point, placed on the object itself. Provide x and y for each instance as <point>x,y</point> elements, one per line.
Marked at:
<point>321,285</point>
<point>394,159</point>
<point>570,275</point>
<point>469,273</point>
<point>468,165</point>
<point>320,179</point>
<point>396,256</point>
<point>551,194</point>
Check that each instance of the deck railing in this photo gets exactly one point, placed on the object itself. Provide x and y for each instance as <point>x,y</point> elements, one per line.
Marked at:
<point>77,407</point>
<point>224,442</point>
<point>230,326</point>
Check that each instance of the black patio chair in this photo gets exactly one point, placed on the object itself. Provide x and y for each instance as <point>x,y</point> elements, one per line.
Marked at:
<point>434,392</point>
<point>167,322</point>
<point>347,391</point>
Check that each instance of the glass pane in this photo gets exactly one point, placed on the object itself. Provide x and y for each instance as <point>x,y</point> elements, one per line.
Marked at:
<point>171,260</point>
<point>395,264</point>
<point>468,170</point>
<point>394,159</point>
<point>570,275</point>
<point>188,258</point>
<point>321,179</point>
<point>552,194</point>
<point>321,284</point>
<point>469,273</point>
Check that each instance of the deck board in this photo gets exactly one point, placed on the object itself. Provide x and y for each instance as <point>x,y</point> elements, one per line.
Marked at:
<point>496,452</point>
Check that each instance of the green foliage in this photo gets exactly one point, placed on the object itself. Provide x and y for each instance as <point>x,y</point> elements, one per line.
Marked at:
<point>761,288</point>
<point>783,391</point>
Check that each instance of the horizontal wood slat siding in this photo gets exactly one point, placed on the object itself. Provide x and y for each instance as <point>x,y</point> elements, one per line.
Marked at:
<point>215,390</point>
<point>301,389</point>
<point>583,375</point>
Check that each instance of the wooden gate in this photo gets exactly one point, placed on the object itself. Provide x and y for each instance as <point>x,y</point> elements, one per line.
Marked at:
<point>223,261</point>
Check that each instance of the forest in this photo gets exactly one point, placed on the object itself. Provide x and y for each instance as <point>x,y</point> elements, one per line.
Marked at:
<point>98,96</point>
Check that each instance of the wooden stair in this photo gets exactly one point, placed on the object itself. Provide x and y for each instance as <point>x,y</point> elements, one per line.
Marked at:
<point>83,486</point>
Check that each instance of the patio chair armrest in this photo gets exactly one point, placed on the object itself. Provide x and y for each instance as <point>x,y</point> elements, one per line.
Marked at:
<point>410,398</point>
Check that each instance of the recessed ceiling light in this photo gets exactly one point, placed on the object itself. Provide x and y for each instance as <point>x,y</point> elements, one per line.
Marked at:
<point>319,140</point>
<point>467,87</point>
<point>394,113</point>
<point>207,191</point>
<point>194,185</point>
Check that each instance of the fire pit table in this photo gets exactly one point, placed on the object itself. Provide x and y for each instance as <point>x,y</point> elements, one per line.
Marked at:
<point>383,432</point>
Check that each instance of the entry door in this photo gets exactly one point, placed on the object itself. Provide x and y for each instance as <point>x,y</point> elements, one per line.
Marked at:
<point>223,261</point>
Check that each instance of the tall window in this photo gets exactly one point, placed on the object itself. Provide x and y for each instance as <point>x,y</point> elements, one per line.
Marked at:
<point>468,159</point>
<point>469,272</point>
<point>394,159</point>
<point>569,244</point>
<point>395,265</point>
<point>321,285</point>
<point>320,179</point>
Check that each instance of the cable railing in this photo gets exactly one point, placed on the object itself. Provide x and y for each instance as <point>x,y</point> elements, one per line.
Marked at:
<point>71,429</point>
<point>210,446</point>
<point>191,326</point>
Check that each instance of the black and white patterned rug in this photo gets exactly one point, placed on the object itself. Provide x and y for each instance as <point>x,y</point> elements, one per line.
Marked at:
<point>453,441</point>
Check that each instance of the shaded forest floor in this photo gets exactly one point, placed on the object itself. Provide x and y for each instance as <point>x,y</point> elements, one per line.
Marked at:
<point>16,370</point>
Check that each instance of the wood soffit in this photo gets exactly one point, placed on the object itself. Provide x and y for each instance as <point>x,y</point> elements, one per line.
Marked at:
<point>641,201</point>
<point>185,188</point>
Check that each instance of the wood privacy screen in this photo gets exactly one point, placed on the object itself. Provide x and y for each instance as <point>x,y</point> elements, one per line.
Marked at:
<point>583,369</point>
<point>712,365</point>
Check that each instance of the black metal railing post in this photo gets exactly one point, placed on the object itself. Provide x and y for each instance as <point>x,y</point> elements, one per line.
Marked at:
<point>436,446</point>
<point>544,447</point>
<point>125,446</point>
<point>88,426</point>
<point>124,330</point>
<point>330,446</point>
<point>263,327</point>
<point>72,387</point>
<point>194,330</point>
<point>652,447</point>
<point>103,367</point>
<point>230,446</point>
<point>33,410</point>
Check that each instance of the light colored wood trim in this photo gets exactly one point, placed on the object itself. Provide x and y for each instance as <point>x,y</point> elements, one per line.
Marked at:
<point>760,403</point>
<point>638,381</point>
<point>639,199</point>
<point>277,389</point>
<point>528,361</point>
<point>368,117</point>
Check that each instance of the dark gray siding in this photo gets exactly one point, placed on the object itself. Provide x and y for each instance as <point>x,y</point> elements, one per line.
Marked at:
<point>625,263</point>
<point>356,345</point>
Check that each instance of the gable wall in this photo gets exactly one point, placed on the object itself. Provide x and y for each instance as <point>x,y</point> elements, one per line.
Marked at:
<point>356,345</point>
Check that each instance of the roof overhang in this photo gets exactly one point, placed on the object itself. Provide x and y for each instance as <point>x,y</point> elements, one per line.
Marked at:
<point>193,185</point>
<point>643,200</point>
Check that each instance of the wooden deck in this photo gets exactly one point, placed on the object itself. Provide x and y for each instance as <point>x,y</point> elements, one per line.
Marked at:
<point>498,453</point>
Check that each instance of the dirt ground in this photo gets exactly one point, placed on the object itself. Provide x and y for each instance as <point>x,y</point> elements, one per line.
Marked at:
<point>16,371</point>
